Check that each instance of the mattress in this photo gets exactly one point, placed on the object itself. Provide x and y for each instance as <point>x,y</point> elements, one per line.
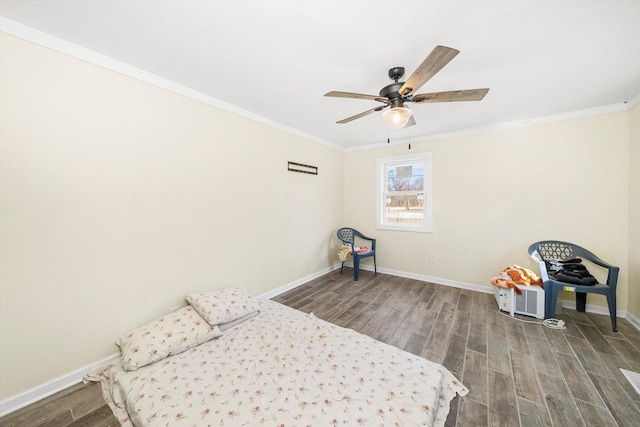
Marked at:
<point>287,368</point>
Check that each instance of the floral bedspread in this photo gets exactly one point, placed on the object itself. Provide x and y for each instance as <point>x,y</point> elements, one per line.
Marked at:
<point>283,368</point>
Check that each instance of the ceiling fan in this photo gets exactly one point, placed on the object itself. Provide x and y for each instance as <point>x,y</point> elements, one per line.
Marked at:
<point>398,93</point>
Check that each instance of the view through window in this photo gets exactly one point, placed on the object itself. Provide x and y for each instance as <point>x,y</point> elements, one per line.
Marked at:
<point>404,193</point>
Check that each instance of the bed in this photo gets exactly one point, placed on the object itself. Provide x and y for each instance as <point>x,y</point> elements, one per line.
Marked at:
<point>270,365</point>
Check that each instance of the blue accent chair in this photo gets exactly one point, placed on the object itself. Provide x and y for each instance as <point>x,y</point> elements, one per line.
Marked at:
<point>348,237</point>
<point>548,250</point>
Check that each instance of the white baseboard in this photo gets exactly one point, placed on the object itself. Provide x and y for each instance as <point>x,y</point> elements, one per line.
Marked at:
<point>296,283</point>
<point>437,280</point>
<point>489,290</point>
<point>595,309</point>
<point>44,390</point>
<point>39,392</point>
<point>633,320</point>
<point>633,378</point>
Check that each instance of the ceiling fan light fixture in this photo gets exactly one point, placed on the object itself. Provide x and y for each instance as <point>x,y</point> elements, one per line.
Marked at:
<point>396,117</point>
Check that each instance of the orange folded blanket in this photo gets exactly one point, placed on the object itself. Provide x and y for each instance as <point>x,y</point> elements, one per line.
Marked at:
<point>516,275</point>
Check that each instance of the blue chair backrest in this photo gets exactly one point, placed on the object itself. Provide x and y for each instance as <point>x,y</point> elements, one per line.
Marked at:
<point>347,235</point>
<point>553,249</point>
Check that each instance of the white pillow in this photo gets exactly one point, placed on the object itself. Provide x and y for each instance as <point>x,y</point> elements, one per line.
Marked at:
<point>224,305</point>
<point>168,335</point>
<point>224,326</point>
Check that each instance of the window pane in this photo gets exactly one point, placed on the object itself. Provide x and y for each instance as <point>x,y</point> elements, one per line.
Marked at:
<point>405,177</point>
<point>406,209</point>
<point>404,193</point>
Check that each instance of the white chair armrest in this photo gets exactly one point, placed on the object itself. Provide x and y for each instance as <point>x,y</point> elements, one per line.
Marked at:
<point>543,271</point>
<point>541,264</point>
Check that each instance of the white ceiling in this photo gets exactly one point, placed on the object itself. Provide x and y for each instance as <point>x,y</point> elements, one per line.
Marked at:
<point>276,59</point>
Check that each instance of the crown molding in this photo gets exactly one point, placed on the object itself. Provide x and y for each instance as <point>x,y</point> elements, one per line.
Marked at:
<point>596,111</point>
<point>41,38</point>
<point>633,101</point>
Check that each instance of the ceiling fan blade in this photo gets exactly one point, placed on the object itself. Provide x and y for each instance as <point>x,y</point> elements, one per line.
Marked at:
<point>451,96</point>
<point>438,58</point>
<point>366,113</point>
<point>338,94</point>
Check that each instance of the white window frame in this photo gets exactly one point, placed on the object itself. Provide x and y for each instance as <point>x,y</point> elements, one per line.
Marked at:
<point>381,203</point>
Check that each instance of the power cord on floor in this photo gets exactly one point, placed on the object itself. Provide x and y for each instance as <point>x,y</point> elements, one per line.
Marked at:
<point>554,323</point>
<point>549,323</point>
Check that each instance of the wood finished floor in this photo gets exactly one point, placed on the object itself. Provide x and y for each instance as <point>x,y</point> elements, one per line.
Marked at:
<point>519,374</point>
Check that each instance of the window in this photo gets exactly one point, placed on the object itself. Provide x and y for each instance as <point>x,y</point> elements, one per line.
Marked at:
<point>405,199</point>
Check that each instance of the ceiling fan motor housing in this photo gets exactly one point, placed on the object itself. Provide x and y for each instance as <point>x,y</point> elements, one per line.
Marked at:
<point>391,92</point>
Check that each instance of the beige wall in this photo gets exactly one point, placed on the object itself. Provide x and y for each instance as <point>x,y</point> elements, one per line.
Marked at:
<point>497,192</point>
<point>634,211</point>
<point>117,198</point>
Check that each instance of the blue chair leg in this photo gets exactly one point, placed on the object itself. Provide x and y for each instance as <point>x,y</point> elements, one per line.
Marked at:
<point>375,268</point>
<point>550,296</point>
<point>356,267</point>
<point>611,302</point>
<point>341,267</point>
<point>581,302</point>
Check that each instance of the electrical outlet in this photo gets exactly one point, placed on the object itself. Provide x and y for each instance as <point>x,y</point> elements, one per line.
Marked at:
<point>432,258</point>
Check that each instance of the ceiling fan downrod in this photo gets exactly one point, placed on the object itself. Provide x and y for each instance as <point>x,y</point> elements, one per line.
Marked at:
<point>396,73</point>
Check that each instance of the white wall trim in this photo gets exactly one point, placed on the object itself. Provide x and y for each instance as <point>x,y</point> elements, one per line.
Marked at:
<point>596,111</point>
<point>63,46</point>
<point>595,309</point>
<point>44,390</point>
<point>39,392</point>
<point>488,289</point>
<point>431,279</point>
<point>633,101</point>
<point>633,320</point>
<point>296,283</point>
